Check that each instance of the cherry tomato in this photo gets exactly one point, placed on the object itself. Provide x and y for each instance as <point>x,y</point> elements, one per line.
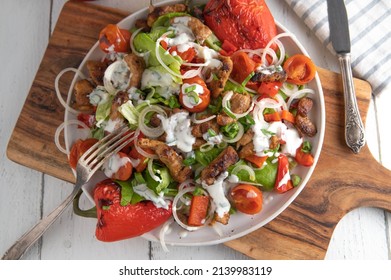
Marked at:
<point>270,88</point>
<point>303,158</point>
<point>283,180</point>
<point>88,119</point>
<point>247,199</point>
<point>78,149</point>
<point>119,167</point>
<point>113,37</point>
<point>203,98</point>
<point>300,69</point>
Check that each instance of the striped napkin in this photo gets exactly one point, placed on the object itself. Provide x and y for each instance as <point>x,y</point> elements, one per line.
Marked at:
<point>370,34</point>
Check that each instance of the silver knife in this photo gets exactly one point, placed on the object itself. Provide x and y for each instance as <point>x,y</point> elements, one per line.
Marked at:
<point>340,39</point>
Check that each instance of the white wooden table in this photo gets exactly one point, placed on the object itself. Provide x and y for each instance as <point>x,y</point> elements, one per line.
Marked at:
<point>27,195</point>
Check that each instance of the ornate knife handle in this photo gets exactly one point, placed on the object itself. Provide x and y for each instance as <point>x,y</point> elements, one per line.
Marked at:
<point>354,128</point>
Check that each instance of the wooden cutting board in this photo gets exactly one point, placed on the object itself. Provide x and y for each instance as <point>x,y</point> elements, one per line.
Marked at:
<point>341,181</point>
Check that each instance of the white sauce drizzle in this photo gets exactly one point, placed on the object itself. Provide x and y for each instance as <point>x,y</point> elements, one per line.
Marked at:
<point>178,131</point>
<point>149,194</point>
<point>216,192</point>
<point>113,164</point>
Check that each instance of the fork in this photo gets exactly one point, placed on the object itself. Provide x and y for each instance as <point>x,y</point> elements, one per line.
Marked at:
<point>86,167</point>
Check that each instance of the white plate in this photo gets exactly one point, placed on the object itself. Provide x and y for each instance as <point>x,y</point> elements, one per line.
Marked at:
<point>239,224</point>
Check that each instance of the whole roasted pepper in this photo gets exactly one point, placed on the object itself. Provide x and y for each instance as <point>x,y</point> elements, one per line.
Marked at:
<point>117,222</point>
<point>247,24</point>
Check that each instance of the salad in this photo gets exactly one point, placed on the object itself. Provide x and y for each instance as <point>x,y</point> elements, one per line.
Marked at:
<point>218,113</point>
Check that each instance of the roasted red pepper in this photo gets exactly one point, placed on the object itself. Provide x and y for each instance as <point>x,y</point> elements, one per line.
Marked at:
<point>246,23</point>
<point>117,222</point>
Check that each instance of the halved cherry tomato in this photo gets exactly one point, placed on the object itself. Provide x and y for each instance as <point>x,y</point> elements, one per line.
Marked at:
<point>118,167</point>
<point>247,199</point>
<point>113,37</point>
<point>283,180</point>
<point>303,158</point>
<point>78,149</point>
<point>270,89</point>
<point>300,69</point>
<point>243,66</point>
<point>203,98</point>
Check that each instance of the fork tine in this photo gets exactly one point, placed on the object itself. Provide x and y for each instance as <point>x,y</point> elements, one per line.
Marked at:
<point>103,145</point>
<point>100,159</point>
<point>91,152</point>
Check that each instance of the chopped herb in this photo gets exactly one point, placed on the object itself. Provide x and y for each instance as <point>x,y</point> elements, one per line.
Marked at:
<point>244,83</point>
<point>211,132</point>
<point>296,179</point>
<point>189,161</point>
<point>106,207</point>
<point>198,191</point>
<point>267,132</point>
<point>230,130</point>
<point>194,96</point>
<point>229,113</point>
<point>247,121</point>
<point>191,88</point>
<point>306,147</point>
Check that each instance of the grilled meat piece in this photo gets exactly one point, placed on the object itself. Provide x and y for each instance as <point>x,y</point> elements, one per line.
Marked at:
<point>222,220</point>
<point>216,86</point>
<point>269,74</point>
<point>200,30</point>
<point>224,119</point>
<point>246,138</point>
<point>198,130</point>
<point>304,106</point>
<point>82,89</point>
<point>219,165</point>
<point>137,66</point>
<point>305,126</point>
<point>247,150</point>
<point>97,69</point>
<point>169,157</point>
<point>156,12</point>
<point>198,143</point>
<point>120,98</point>
<point>240,103</point>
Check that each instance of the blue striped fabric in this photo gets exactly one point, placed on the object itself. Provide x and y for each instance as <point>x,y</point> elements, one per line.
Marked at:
<point>370,34</point>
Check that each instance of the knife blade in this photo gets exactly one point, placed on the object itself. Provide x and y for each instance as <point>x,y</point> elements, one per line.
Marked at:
<point>340,39</point>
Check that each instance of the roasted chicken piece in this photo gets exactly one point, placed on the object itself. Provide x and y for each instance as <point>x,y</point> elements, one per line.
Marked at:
<point>82,90</point>
<point>240,103</point>
<point>219,165</point>
<point>97,69</point>
<point>246,138</point>
<point>302,122</point>
<point>221,75</point>
<point>269,74</point>
<point>137,66</point>
<point>247,150</point>
<point>169,157</point>
<point>120,98</point>
<point>198,130</point>
<point>156,12</point>
<point>200,30</point>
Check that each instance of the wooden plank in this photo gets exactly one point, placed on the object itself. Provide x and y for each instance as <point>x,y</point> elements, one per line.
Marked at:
<point>19,65</point>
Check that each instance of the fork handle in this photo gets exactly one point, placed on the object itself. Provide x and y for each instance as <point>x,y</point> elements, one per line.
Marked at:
<point>16,251</point>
